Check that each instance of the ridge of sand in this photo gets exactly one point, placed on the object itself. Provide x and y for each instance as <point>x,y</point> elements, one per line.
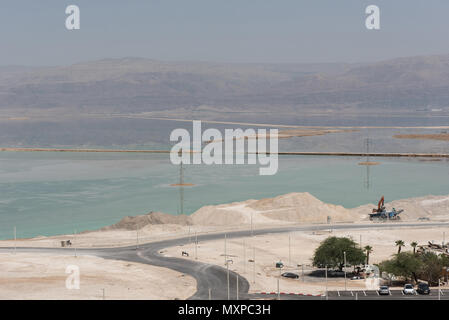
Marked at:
<point>291,207</point>
<point>151,218</point>
<point>305,208</point>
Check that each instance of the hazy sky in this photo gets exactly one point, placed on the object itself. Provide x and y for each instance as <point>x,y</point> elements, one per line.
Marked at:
<point>33,32</point>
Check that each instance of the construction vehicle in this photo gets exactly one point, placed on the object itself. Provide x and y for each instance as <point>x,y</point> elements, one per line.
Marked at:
<point>382,214</point>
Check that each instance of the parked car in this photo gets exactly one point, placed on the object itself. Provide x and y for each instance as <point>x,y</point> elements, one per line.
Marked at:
<point>290,275</point>
<point>384,290</point>
<point>423,288</point>
<point>408,289</point>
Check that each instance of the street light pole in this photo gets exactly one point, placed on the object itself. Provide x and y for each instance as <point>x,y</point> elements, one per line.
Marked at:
<point>254,265</point>
<point>225,250</point>
<point>196,246</point>
<point>227,272</point>
<point>279,277</point>
<point>344,267</point>
<point>251,224</point>
<point>326,284</point>
<point>244,257</point>
<point>302,271</point>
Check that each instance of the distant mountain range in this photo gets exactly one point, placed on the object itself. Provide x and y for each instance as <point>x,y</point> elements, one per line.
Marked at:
<point>132,85</point>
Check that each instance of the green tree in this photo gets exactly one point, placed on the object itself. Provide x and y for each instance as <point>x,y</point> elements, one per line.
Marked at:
<point>431,267</point>
<point>399,244</point>
<point>331,253</point>
<point>414,244</point>
<point>368,250</point>
<point>404,264</point>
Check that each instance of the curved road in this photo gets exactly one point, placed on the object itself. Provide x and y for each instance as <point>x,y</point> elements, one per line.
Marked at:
<point>207,276</point>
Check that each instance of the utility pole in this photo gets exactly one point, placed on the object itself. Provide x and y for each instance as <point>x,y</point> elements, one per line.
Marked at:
<point>75,243</point>
<point>210,294</point>
<point>439,291</point>
<point>196,246</point>
<point>254,265</point>
<point>302,272</point>
<point>252,234</point>
<point>181,188</point>
<point>227,274</point>
<point>289,251</point>
<point>244,257</point>
<point>344,267</point>
<point>279,277</point>
<point>279,293</point>
<point>225,250</point>
<point>190,239</point>
<point>15,239</point>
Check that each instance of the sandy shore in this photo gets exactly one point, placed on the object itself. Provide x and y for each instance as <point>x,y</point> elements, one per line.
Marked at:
<point>43,276</point>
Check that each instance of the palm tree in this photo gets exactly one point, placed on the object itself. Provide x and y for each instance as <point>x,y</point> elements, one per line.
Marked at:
<point>399,244</point>
<point>368,250</point>
<point>414,244</point>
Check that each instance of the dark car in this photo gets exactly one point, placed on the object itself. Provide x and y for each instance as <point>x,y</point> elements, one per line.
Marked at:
<point>423,288</point>
<point>290,275</point>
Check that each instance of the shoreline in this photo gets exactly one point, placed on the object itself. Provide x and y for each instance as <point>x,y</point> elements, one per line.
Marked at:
<point>281,153</point>
<point>286,210</point>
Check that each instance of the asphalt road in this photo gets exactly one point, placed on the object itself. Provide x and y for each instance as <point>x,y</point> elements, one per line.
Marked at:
<point>213,277</point>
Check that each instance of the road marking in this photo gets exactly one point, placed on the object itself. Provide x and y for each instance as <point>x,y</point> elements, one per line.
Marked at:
<point>352,294</point>
<point>378,293</point>
<point>364,292</point>
<point>338,293</point>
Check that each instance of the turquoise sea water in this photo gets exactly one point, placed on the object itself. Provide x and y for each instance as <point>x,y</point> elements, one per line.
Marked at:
<point>56,193</point>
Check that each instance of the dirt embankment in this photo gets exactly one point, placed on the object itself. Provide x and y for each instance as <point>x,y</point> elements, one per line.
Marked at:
<point>437,136</point>
<point>152,218</point>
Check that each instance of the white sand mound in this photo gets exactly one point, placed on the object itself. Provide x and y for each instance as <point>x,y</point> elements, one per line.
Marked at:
<point>152,218</point>
<point>433,207</point>
<point>292,207</point>
<point>302,207</point>
<point>237,213</point>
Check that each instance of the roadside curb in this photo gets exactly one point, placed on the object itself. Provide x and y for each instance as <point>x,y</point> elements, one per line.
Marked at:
<point>293,293</point>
